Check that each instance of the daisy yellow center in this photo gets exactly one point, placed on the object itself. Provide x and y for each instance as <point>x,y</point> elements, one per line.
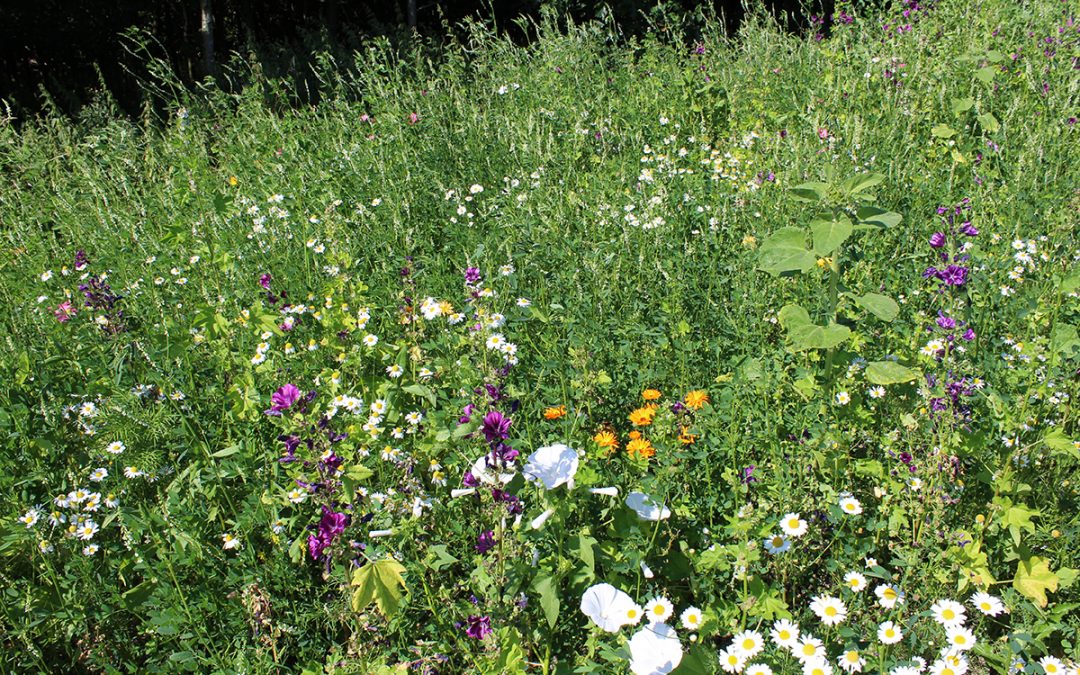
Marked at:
<point>658,609</point>
<point>784,635</point>
<point>733,659</point>
<point>793,523</point>
<point>809,649</point>
<point>632,614</point>
<point>984,606</point>
<point>948,671</point>
<point>948,614</point>
<point>830,611</point>
<point>777,542</point>
<point>692,619</point>
<point>960,639</point>
<point>853,583</point>
<point>889,594</point>
<point>748,644</point>
<point>817,671</point>
<point>1050,668</point>
<point>889,632</point>
<point>852,656</point>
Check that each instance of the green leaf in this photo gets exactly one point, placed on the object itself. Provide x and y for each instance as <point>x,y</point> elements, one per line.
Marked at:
<point>881,306</point>
<point>942,131</point>
<point>1057,440</point>
<point>1018,517</point>
<point>1034,578</point>
<point>549,597</point>
<point>439,558</point>
<point>790,316</point>
<point>829,234</point>
<point>810,192</point>
<point>889,372</point>
<point>1070,283</point>
<point>1064,339</point>
<point>584,547</point>
<point>862,182</point>
<point>988,122</point>
<point>785,251</point>
<point>812,336</point>
<point>420,391</point>
<point>960,105</point>
<point>379,581</point>
<point>878,217</point>
<point>226,452</point>
<point>986,75</point>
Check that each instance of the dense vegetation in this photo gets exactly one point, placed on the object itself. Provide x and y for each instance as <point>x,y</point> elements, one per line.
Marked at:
<point>489,355</point>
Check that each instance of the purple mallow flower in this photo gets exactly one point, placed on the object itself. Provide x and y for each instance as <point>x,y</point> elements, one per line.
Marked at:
<point>937,239</point>
<point>283,398</point>
<point>472,275</point>
<point>331,525</point>
<point>479,627</point>
<point>485,542</point>
<point>495,427</point>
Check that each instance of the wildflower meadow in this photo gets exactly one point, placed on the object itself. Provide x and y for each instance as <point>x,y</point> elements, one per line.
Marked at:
<point>691,353</point>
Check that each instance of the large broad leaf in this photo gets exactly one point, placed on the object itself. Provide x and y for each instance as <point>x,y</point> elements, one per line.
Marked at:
<point>889,372</point>
<point>790,316</point>
<point>545,586</point>
<point>810,192</point>
<point>830,233</point>
<point>1034,578</point>
<point>785,251</point>
<point>872,215</point>
<point>1064,340</point>
<point>862,182</point>
<point>813,336</point>
<point>380,582</point>
<point>881,306</point>
<point>1057,441</point>
<point>960,105</point>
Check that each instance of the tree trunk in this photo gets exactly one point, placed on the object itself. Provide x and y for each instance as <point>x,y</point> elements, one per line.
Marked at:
<point>206,29</point>
<point>410,13</point>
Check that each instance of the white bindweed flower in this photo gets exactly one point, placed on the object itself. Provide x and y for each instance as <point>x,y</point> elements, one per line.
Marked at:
<point>606,491</point>
<point>655,650</point>
<point>608,607</point>
<point>646,507</point>
<point>539,521</point>
<point>552,465</point>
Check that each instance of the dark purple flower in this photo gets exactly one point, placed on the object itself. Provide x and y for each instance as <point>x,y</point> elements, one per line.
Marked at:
<point>495,427</point>
<point>512,502</point>
<point>946,322</point>
<point>969,230</point>
<point>969,335</point>
<point>954,275</point>
<point>479,627</point>
<point>81,261</point>
<point>937,239</point>
<point>485,542</point>
<point>264,281</point>
<point>469,480</point>
<point>283,398</point>
<point>472,275</point>
<point>748,475</point>
<point>466,415</point>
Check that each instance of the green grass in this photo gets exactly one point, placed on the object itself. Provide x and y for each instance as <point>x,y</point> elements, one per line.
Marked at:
<point>633,283</point>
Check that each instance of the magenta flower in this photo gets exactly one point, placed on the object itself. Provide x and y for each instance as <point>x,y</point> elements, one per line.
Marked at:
<point>264,281</point>
<point>283,398</point>
<point>64,311</point>
<point>937,239</point>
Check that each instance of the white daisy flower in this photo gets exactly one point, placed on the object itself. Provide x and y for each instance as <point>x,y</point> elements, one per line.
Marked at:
<point>855,581</point>
<point>949,613</point>
<point>793,525</point>
<point>691,618</point>
<point>229,541</point>
<point>749,643</point>
<point>987,604</point>
<point>889,596</point>
<point>830,610</point>
<point>850,506</point>
<point>889,633</point>
<point>777,543</point>
<point>659,609</point>
<point>851,661</point>
<point>785,633</point>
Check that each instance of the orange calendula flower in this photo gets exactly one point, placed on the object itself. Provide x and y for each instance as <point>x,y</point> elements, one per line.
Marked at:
<point>606,439</point>
<point>687,438</point>
<point>640,447</point>
<point>554,412</point>
<point>643,417</point>
<point>697,398</point>
<point>634,435</point>
<point>651,394</point>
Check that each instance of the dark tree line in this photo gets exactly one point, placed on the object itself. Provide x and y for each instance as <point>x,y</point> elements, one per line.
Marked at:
<point>68,52</point>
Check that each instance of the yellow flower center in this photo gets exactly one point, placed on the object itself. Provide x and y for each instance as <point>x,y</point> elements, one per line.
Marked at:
<point>852,656</point>
<point>948,614</point>
<point>632,614</point>
<point>830,611</point>
<point>809,649</point>
<point>889,594</point>
<point>960,639</point>
<point>793,523</point>
<point>777,542</point>
<point>748,644</point>
<point>784,635</point>
<point>984,606</point>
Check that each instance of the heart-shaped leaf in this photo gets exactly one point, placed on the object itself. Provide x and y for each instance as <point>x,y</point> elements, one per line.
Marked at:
<point>878,217</point>
<point>881,306</point>
<point>785,251</point>
<point>889,372</point>
<point>830,233</point>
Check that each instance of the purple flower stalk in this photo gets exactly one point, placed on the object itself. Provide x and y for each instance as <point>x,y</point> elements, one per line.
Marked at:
<point>495,427</point>
<point>479,627</point>
<point>937,239</point>
<point>485,542</point>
